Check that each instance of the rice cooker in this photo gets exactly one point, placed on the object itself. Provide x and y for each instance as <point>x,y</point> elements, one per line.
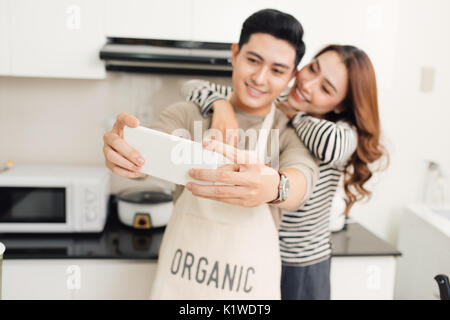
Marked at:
<point>144,208</point>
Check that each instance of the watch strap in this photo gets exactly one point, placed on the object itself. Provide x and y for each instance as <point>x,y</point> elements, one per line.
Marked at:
<point>279,199</point>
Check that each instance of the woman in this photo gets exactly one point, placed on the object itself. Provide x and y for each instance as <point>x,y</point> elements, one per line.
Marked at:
<point>334,109</point>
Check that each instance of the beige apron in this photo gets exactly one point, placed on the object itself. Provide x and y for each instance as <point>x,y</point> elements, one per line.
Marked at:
<point>214,250</point>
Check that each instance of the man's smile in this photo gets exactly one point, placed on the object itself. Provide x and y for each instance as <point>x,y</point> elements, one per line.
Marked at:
<point>253,91</point>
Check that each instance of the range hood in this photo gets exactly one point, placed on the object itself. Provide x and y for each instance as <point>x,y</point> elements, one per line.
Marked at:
<point>167,56</point>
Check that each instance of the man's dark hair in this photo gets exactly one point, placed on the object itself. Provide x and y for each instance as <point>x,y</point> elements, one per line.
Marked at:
<point>278,24</point>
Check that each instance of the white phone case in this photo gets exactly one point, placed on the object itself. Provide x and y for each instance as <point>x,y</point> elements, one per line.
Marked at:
<point>170,157</point>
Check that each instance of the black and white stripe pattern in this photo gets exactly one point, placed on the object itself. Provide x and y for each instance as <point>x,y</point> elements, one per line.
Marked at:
<point>205,93</point>
<point>304,235</point>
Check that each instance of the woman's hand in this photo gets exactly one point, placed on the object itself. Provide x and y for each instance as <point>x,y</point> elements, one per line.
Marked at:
<point>249,182</point>
<point>287,109</point>
<point>224,120</point>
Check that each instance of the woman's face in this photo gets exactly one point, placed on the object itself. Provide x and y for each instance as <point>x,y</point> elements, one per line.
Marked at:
<point>321,86</point>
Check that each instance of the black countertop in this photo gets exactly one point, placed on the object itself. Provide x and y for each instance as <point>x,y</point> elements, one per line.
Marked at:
<point>121,242</point>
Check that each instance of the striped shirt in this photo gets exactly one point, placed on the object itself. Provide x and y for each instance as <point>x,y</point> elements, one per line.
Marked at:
<point>304,235</point>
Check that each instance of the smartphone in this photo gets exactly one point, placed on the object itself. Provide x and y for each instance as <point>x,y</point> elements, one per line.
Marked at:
<point>169,157</point>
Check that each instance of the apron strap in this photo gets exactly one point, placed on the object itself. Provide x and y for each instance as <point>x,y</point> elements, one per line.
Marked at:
<point>261,146</point>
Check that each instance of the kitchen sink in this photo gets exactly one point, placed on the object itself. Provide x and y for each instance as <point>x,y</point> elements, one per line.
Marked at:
<point>442,212</point>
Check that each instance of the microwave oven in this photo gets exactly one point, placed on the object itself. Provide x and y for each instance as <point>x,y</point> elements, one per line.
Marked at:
<point>53,199</point>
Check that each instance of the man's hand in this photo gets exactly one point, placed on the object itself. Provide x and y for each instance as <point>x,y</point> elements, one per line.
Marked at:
<point>120,158</point>
<point>249,182</point>
<point>224,120</point>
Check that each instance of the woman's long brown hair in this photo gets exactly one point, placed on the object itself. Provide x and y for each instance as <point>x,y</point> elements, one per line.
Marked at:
<point>361,110</point>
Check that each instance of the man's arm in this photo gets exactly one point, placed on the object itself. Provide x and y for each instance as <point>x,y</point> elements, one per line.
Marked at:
<point>300,167</point>
<point>251,184</point>
<point>175,116</point>
<point>298,189</point>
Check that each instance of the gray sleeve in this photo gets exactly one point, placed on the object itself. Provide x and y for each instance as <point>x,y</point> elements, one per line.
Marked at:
<point>293,154</point>
<point>174,117</point>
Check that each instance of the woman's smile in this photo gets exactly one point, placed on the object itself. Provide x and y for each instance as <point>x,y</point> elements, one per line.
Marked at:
<point>298,95</point>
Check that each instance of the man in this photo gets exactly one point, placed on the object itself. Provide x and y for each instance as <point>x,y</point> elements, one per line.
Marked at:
<point>264,61</point>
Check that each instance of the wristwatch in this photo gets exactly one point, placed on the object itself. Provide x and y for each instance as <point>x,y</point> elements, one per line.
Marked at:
<point>283,189</point>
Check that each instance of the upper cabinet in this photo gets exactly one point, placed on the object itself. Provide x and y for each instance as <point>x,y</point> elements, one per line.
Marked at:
<point>323,21</point>
<point>4,38</point>
<point>155,19</point>
<point>221,21</point>
<point>330,22</point>
<point>56,38</point>
<point>63,38</point>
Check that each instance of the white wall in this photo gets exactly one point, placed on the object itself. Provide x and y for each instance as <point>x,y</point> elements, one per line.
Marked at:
<point>415,124</point>
<point>63,121</point>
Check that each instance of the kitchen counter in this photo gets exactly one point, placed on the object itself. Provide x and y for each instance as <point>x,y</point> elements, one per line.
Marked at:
<point>121,242</point>
<point>356,241</point>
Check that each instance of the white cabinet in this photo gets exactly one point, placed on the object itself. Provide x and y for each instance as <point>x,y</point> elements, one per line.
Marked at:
<point>4,38</point>
<point>77,279</point>
<point>351,278</point>
<point>57,38</point>
<point>424,239</point>
<point>156,19</point>
<point>363,278</point>
<point>221,21</point>
<point>62,38</point>
<point>34,279</point>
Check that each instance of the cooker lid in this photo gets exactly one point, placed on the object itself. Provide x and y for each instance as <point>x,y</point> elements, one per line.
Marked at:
<point>144,196</point>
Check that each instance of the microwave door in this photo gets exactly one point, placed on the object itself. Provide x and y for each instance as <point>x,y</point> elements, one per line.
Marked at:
<point>32,209</point>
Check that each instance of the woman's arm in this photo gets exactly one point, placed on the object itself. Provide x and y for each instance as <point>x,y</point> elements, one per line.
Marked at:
<point>204,94</point>
<point>210,96</point>
<point>327,140</point>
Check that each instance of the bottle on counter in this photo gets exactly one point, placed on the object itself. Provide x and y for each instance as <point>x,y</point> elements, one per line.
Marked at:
<point>436,188</point>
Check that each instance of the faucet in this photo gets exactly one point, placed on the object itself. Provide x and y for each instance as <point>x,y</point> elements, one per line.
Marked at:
<point>444,286</point>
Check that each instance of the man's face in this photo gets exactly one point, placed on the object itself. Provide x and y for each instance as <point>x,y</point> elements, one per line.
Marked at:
<point>263,68</point>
